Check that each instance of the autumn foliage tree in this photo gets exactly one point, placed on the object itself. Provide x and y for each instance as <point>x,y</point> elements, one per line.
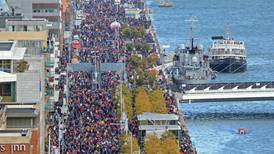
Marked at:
<point>125,144</point>
<point>128,102</point>
<point>142,102</point>
<point>169,143</point>
<point>152,144</point>
<point>158,102</point>
<point>127,99</point>
<point>166,145</point>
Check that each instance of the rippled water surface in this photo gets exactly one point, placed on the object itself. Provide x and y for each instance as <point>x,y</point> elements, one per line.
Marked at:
<point>213,126</point>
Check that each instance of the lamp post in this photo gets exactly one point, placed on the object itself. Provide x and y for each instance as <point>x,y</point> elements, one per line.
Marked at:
<point>117,3</point>
<point>116,27</point>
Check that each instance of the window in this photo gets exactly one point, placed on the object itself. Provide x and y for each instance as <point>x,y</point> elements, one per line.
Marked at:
<point>5,89</point>
<point>25,28</point>
<point>38,28</point>
<point>51,10</point>
<point>19,122</point>
<point>5,66</point>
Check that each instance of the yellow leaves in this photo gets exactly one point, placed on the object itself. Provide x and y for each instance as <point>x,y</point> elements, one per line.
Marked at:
<point>166,145</point>
<point>127,99</point>
<point>158,102</point>
<point>153,103</point>
<point>142,101</point>
<point>169,143</point>
<point>127,142</point>
<point>170,146</point>
<point>152,144</point>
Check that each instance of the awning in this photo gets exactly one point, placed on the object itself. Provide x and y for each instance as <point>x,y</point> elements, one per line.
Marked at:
<point>7,77</point>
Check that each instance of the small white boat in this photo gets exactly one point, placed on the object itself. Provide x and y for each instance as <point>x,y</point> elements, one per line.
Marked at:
<point>165,3</point>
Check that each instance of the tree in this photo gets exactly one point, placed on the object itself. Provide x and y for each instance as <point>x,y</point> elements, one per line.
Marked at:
<point>169,144</point>
<point>146,47</point>
<point>22,66</point>
<point>152,144</point>
<point>158,102</point>
<point>125,144</point>
<point>135,61</point>
<point>152,59</point>
<point>166,145</point>
<point>126,32</point>
<point>142,103</point>
<point>129,47</point>
<point>128,102</point>
<point>151,76</point>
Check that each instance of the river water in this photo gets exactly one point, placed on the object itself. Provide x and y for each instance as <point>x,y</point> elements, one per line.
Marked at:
<point>213,126</point>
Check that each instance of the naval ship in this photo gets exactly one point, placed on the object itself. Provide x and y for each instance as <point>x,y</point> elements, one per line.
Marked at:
<point>190,64</point>
<point>227,55</point>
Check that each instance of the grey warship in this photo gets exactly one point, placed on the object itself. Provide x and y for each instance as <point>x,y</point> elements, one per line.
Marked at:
<point>190,64</point>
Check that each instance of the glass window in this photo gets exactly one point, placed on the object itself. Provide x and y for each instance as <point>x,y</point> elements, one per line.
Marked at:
<point>5,66</point>
<point>25,28</point>
<point>5,89</point>
<point>19,122</point>
<point>51,10</point>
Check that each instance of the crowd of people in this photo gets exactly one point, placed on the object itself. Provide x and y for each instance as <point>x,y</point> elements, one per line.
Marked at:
<point>92,125</point>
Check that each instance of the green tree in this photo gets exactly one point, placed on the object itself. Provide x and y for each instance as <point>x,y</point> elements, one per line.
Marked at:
<point>135,61</point>
<point>146,47</point>
<point>128,102</point>
<point>126,32</point>
<point>142,103</point>
<point>129,47</point>
<point>125,144</point>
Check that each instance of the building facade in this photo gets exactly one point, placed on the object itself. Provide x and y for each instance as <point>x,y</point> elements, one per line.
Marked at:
<point>47,9</point>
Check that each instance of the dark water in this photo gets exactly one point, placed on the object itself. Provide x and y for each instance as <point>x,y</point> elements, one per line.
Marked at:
<point>213,126</point>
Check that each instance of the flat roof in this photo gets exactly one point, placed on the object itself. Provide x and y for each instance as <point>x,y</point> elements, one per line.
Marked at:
<point>159,127</point>
<point>7,77</point>
<point>33,19</point>
<point>9,51</point>
<point>157,116</point>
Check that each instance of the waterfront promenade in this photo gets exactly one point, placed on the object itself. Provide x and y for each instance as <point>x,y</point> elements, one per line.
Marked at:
<point>91,122</point>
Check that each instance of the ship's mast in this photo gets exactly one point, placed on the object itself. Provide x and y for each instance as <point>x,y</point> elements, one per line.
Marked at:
<point>227,31</point>
<point>191,22</point>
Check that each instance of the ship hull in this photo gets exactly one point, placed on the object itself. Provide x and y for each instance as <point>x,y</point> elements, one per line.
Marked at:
<point>181,81</point>
<point>228,65</point>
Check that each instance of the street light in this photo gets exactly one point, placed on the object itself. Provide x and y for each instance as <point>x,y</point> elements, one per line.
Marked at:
<point>116,27</point>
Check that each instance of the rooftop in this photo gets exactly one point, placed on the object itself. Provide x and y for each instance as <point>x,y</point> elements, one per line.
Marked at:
<point>157,116</point>
<point>9,51</point>
<point>7,77</point>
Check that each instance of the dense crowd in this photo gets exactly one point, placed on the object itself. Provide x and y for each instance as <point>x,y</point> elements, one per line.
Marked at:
<point>92,125</point>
